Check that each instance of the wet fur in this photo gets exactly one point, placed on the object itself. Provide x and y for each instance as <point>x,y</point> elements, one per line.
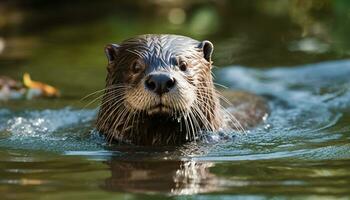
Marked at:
<point>126,114</point>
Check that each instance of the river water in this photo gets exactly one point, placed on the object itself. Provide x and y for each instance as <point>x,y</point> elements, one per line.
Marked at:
<point>49,150</point>
<point>302,148</point>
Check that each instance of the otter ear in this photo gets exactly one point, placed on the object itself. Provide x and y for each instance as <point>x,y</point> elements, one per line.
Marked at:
<point>111,51</point>
<point>207,48</point>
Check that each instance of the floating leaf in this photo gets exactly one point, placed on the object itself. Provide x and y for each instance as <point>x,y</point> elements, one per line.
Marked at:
<point>46,90</point>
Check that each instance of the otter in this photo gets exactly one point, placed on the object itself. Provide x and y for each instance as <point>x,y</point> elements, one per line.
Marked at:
<point>160,91</point>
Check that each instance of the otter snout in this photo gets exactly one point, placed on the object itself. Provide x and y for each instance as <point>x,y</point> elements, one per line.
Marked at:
<point>160,82</point>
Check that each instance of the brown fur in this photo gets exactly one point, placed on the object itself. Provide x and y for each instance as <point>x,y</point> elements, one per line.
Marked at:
<point>126,113</point>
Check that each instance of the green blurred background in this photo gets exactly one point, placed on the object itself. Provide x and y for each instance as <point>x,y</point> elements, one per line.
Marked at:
<point>61,42</point>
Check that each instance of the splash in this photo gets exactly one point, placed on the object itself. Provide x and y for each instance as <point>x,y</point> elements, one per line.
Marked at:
<point>53,130</point>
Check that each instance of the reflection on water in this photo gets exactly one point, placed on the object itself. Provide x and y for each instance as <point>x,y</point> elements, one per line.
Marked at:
<point>192,177</point>
<point>49,151</point>
<point>302,148</point>
<point>62,177</point>
<point>174,177</point>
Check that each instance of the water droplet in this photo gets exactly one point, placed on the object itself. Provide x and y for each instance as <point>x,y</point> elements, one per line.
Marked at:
<point>267,126</point>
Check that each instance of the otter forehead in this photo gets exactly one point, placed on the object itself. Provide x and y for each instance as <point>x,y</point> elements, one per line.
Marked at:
<point>161,50</point>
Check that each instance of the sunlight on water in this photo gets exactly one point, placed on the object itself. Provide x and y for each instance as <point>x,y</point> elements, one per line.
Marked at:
<point>306,134</point>
<point>305,106</point>
<point>53,130</point>
<point>49,149</point>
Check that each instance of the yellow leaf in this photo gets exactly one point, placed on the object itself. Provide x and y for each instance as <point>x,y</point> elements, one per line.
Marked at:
<point>47,90</point>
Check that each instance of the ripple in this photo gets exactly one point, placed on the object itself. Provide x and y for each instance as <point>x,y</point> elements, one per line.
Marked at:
<point>309,114</point>
<point>52,130</point>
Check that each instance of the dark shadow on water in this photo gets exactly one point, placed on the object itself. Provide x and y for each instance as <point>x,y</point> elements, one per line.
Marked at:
<point>169,177</point>
<point>245,177</point>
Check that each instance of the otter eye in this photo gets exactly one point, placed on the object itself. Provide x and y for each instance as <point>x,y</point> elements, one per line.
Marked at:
<point>183,66</point>
<point>136,67</point>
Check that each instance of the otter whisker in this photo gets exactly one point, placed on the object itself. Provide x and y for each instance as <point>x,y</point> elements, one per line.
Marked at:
<point>180,105</point>
<point>101,96</point>
<point>98,91</point>
<point>194,125</point>
<point>203,119</point>
<point>117,98</point>
<point>135,117</point>
<point>117,122</point>
<point>214,83</point>
<point>207,125</point>
<point>220,85</point>
<point>219,95</point>
<point>236,120</point>
<point>204,100</point>
<point>115,112</point>
<point>108,90</point>
<point>204,122</point>
<point>237,124</point>
<point>117,104</point>
<point>185,116</point>
<point>189,122</point>
<point>127,120</point>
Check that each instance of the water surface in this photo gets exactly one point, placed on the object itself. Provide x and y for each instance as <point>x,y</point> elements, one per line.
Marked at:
<point>303,147</point>
<point>294,54</point>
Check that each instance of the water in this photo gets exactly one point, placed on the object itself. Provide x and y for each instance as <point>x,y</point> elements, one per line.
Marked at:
<point>294,54</point>
<point>302,148</point>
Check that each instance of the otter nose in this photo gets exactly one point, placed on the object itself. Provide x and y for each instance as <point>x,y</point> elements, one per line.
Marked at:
<point>159,83</point>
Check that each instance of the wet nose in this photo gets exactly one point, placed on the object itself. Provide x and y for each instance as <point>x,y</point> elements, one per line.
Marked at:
<point>159,83</point>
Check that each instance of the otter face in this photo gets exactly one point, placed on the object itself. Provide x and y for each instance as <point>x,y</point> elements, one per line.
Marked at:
<point>159,74</point>
<point>160,89</point>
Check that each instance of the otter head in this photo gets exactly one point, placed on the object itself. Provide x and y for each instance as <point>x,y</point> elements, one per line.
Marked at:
<point>159,90</point>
